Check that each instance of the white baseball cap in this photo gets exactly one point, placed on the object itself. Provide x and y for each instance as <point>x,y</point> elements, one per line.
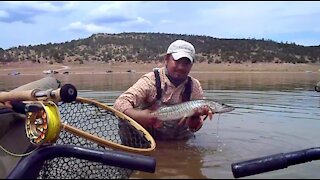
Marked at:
<point>180,48</point>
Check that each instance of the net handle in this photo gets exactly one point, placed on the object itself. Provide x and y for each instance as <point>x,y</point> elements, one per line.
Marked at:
<point>66,93</point>
<point>30,166</point>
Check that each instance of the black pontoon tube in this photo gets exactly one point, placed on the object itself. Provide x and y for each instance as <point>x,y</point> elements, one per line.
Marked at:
<point>30,166</point>
<point>274,162</point>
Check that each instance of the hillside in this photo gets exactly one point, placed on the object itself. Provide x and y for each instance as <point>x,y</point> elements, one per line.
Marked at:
<point>150,47</point>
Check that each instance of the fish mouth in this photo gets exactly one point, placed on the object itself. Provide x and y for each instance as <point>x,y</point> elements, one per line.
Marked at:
<point>227,108</point>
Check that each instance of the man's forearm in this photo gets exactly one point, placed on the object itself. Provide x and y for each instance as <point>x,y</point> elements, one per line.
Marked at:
<point>138,115</point>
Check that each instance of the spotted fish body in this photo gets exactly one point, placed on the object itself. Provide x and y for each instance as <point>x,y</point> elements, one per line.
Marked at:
<point>186,109</point>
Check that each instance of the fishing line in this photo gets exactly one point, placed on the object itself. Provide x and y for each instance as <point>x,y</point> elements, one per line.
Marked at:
<point>17,154</point>
<point>220,143</point>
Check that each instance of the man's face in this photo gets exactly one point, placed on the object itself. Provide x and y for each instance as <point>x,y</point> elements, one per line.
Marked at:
<point>178,69</point>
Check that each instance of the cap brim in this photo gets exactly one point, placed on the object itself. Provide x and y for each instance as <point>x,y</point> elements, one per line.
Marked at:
<point>179,55</point>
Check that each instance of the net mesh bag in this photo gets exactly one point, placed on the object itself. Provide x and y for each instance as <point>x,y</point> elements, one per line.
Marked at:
<point>99,122</point>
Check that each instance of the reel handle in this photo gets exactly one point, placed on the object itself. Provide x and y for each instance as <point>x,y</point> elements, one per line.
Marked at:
<point>66,93</point>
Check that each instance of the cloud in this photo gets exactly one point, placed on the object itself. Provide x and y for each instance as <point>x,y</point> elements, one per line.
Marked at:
<point>114,9</point>
<point>138,22</point>
<point>101,16</point>
<point>26,16</point>
<point>104,27</point>
<point>3,14</point>
<point>43,6</point>
<point>119,14</point>
<point>26,12</point>
<point>92,28</point>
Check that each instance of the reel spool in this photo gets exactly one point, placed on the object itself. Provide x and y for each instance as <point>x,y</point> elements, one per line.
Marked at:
<point>43,123</point>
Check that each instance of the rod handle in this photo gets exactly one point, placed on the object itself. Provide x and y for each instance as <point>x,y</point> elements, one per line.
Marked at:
<point>66,93</point>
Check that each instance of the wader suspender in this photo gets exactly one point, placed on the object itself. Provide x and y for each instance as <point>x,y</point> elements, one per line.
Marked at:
<point>187,90</point>
<point>158,83</point>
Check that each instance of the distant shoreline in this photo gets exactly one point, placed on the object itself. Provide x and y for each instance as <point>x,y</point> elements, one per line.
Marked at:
<point>28,68</point>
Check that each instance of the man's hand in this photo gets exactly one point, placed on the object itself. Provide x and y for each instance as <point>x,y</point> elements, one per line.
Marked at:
<point>204,110</point>
<point>195,122</point>
<point>149,119</point>
<point>6,104</point>
<point>144,117</point>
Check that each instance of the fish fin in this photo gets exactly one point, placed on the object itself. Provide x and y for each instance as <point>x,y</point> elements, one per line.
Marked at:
<point>210,114</point>
<point>182,120</point>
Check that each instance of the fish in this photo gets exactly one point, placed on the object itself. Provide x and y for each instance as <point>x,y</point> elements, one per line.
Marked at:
<point>187,109</point>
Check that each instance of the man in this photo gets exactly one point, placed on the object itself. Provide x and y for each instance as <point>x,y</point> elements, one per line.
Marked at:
<point>174,85</point>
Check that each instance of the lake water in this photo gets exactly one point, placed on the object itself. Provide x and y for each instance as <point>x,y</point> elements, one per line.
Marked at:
<point>275,113</point>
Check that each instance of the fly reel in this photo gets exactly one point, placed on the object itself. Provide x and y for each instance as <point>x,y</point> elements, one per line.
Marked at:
<point>43,123</point>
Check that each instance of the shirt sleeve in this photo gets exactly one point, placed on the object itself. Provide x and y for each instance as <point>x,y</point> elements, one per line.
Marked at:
<point>136,95</point>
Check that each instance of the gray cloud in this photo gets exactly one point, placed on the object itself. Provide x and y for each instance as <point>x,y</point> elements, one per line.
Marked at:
<point>26,12</point>
<point>25,15</point>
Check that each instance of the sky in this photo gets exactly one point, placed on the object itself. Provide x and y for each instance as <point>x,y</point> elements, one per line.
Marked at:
<point>42,22</point>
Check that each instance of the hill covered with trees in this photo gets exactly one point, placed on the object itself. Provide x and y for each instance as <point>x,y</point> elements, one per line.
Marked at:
<point>150,47</point>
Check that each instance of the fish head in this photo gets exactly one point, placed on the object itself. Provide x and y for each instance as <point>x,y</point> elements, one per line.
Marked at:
<point>220,108</point>
<point>226,108</point>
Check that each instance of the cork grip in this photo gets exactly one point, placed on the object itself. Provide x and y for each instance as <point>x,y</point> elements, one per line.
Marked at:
<point>66,93</point>
<point>18,95</point>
